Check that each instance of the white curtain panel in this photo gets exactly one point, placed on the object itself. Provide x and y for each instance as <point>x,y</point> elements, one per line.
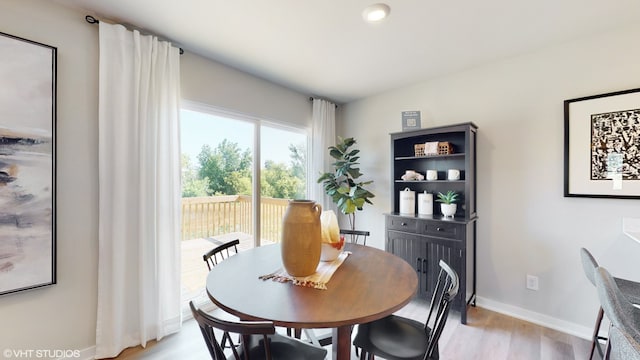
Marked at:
<point>323,136</point>
<point>139,175</point>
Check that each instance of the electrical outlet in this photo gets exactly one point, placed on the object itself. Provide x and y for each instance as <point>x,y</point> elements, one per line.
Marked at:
<point>532,283</point>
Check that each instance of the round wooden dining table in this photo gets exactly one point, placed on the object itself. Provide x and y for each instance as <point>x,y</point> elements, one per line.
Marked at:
<point>369,285</point>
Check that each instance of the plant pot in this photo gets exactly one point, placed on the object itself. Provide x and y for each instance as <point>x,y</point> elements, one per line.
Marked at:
<point>448,210</point>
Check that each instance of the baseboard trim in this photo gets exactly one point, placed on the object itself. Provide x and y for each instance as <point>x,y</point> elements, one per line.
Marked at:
<point>536,318</point>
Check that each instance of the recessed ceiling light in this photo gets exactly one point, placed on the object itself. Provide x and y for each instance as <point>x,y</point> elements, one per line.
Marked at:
<point>376,12</point>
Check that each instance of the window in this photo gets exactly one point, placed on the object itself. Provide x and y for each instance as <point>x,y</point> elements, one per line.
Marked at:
<point>222,155</point>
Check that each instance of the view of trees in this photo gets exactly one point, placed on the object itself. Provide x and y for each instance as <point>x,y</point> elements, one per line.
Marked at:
<point>192,185</point>
<point>226,170</point>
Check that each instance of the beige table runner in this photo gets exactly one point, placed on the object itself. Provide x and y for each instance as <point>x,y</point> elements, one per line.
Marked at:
<point>318,280</point>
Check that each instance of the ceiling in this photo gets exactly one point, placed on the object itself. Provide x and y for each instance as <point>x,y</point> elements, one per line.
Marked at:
<point>324,48</point>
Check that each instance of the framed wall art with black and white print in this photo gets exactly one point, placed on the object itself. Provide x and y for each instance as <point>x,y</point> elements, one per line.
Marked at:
<point>602,145</point>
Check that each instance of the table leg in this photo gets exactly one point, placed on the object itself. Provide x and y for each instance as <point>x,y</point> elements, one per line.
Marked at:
<point>341,343</point>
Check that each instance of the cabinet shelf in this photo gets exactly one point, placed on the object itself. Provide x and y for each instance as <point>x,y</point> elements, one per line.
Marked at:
<point>436,217</point>
<point>426,157</point>
<point>430,181</point>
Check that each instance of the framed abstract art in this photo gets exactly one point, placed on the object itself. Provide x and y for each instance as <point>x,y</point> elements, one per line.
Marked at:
<point>27,164</point>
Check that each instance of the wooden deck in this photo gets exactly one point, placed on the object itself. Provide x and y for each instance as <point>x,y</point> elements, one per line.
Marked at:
<point>194,269</point>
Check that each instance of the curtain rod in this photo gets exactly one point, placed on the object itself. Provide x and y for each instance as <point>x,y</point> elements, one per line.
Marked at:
<point>92,20</point>
<point>311,98</point>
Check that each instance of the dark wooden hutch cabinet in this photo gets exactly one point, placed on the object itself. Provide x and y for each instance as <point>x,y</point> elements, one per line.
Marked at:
<point>422,240</point>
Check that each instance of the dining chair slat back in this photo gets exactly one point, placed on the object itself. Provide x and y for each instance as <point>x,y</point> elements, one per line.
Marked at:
<point>220,252</point>
<point>355,236</point>
<point>445,291</point>
<point>398,338</point>
<point>258,340</point>
<point>208,323</point>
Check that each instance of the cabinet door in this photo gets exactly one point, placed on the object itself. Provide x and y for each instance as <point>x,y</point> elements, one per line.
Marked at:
<point>412,249</point>
<point>453,255</point>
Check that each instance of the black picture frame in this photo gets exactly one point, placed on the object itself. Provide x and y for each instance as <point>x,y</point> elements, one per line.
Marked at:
<point>27,164</point>
<point>602,145</point>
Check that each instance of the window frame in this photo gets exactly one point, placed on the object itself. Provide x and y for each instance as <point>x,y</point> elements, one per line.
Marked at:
<point>257,123</point>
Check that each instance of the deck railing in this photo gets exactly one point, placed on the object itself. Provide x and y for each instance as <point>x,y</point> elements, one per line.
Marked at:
<point>204,217</point>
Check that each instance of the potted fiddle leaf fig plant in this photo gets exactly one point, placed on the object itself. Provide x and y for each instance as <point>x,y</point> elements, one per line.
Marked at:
<point>448,205</point>
<point>341,182</point>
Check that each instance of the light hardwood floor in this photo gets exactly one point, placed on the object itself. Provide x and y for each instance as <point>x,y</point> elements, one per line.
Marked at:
<point>488,335</point>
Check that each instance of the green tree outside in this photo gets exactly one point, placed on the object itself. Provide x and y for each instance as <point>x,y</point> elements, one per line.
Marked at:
<point>278,181</point>
<point>226,170</point>
<point>192,185</point>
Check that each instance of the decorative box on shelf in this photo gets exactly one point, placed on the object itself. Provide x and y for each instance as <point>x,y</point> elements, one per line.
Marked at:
<point>425,149</point>
<point>445,148</point>
<point>433,148</point>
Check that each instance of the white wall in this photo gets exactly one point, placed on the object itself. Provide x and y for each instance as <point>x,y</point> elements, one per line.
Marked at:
<point>208,82</point>
<point>63,316</point>
<point>525,224</point>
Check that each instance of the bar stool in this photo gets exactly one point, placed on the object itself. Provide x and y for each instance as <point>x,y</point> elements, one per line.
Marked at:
<point>623,346</point>
<point>623,315</point>
<point>630,289</point>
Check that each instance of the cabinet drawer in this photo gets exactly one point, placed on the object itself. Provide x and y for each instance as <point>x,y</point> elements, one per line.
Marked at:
<point>442,229</point>
<point>402,224</point>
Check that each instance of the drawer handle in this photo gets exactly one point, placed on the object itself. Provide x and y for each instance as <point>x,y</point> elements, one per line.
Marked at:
<point>418,262</point>
<point>424,266</point>
<point>403,224</point>
<point>439,229</point>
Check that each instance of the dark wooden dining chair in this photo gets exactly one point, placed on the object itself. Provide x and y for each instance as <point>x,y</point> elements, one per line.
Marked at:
<point>399,338</point>
<point>258,340</point>
<point>617,307</point>
<point>630,289</point>
<point>219,253</point>
<point>355,236</point>
<point>212,258</point>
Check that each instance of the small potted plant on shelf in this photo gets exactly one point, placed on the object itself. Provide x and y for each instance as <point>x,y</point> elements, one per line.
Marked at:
<point>448,205</point>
